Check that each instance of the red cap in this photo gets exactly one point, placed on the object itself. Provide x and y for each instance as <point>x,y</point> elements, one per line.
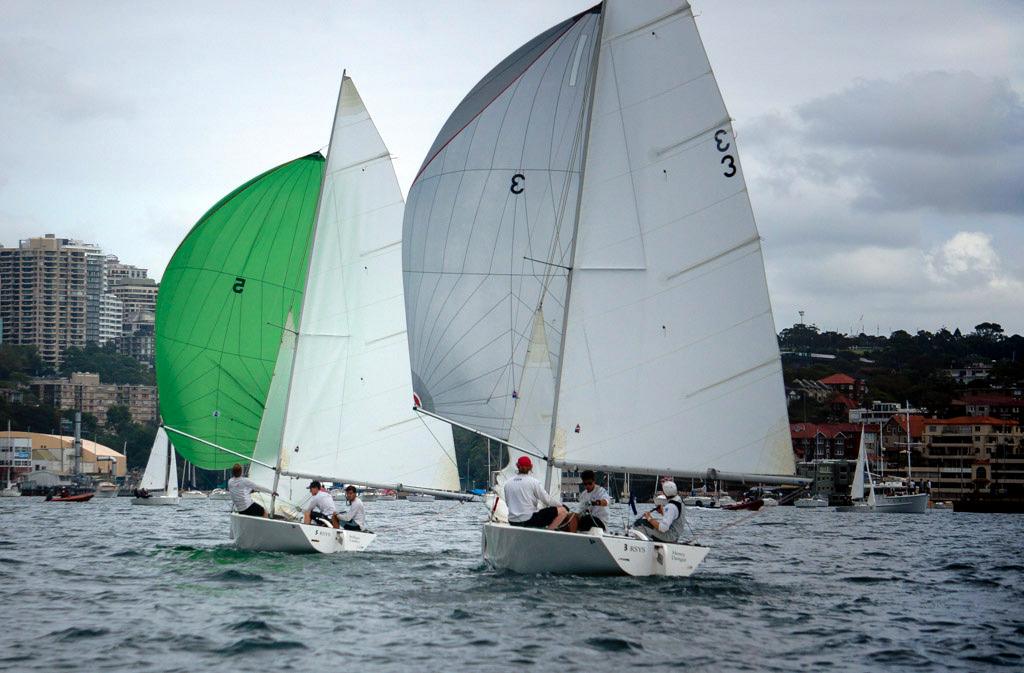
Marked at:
<point>524,461</point>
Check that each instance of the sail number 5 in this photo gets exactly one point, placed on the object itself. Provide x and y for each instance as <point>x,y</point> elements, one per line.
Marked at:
<point>722,144</point>
<point>239,285</point>
<point>518,183</point>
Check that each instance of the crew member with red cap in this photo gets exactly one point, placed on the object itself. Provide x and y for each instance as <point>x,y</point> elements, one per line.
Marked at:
<point>526,498</point>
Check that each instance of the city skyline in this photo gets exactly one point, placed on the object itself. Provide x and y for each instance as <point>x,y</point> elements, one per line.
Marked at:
<point>883,156</point>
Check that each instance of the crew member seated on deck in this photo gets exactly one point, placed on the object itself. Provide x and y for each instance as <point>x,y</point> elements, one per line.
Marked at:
<point>524,497</point>
<point>592,509</point>
<point>668,525</point>
<point>241,489</point>
<point>319,508</point>
<point>354,518</point>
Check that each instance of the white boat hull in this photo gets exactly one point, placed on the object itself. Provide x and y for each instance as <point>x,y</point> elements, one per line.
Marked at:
<point>260,534</point>
<point>538,550</point>
<point>915,503</point>
<point>156,500</point>
<point>810,503</point>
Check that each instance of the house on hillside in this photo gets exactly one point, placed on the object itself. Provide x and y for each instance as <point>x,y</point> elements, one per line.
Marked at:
<point>844,384</point>
<point>971,454</point>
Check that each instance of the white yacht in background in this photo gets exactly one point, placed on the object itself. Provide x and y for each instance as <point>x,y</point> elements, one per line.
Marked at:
<point>160,480</point>
<point>895,498</point>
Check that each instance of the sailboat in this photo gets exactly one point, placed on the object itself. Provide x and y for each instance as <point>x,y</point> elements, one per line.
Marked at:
<point>335,407</point>
<point>161,476</point>
<point>584,279</point>
<point>888,503</point>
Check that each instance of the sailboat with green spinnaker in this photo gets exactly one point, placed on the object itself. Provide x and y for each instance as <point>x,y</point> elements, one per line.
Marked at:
<point>306,375</point>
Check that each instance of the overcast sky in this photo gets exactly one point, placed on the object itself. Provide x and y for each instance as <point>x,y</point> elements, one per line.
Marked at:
<point>883,142</point>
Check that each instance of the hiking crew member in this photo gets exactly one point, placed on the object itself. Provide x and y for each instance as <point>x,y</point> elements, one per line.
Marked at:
<point>241,489</point>
<point>354,518</point>
<point>524,494</point>
<point>669,525</point>
<point>320,506</point>
<point>592,511</point>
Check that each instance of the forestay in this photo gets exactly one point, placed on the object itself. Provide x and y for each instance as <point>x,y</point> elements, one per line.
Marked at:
<point>349,403</point>
<point>671,359</point>
<point>222,303</point>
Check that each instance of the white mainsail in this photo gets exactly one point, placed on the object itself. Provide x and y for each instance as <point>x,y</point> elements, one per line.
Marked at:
<point>348,406</point>
<point>161,472</point>
<point>600,189</point>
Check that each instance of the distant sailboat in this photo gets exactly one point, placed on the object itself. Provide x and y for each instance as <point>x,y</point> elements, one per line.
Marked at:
<point>160,479</point>
<point>904,503</point>
<point>336,402</point>
<point>584,279</point>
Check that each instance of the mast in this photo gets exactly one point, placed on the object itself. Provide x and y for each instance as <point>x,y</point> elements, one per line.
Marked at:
<point>592,85</point>
<point>167,467</point>
<point>908,443</point>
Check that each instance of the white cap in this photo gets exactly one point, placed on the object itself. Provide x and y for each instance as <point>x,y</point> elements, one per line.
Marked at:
<point>669,488</point>
<point>660,499</point>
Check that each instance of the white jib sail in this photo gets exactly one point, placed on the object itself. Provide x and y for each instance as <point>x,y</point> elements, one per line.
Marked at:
<point>268,440</point>
<point>670,358</point>
<point>349,405</point>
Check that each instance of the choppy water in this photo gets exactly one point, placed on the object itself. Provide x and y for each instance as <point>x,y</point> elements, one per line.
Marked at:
<point>108,586</point>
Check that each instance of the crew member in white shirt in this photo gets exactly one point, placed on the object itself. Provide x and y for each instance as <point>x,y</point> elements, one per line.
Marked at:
<point>320,506</point>
<point>525,499</point>
<point>241,489</point>
<point>354,518</point>
<point>592,509</point>
<point>666,525</point>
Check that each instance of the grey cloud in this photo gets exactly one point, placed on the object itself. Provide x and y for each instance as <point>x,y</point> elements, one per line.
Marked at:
<point>36,77</point>
<point>933,113</point>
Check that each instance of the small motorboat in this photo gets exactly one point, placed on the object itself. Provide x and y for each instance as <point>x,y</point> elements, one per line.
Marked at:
<point>752,504</point>
<point>106,489</point>
<point>219,494</point>
<point>79,497</point>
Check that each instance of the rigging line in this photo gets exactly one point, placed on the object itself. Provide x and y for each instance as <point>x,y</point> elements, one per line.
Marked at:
<point>439,444</point>
<point>540,261</point>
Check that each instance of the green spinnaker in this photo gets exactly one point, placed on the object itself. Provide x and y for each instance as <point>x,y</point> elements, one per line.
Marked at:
<point>222,306</point>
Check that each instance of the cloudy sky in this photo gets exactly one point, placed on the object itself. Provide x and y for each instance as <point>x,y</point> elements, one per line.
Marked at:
<point>883,141</point>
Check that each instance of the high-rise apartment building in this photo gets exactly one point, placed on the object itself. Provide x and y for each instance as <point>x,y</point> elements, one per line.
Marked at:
<point>50,294</point>
<point>111,318</point>
<point>138,295</point>
<point>116,270</point>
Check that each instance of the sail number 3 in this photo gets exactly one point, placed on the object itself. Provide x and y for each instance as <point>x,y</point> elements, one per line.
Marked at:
<point>518,183</point>
<point>722,144</point>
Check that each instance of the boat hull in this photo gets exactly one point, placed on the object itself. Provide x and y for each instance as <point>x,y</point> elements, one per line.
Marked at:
<point>891,504</point>
<point>255,533</point>
<point>83,497</point>
<point>538,550</point>
<point>157,500</point>
<point>752,505</point>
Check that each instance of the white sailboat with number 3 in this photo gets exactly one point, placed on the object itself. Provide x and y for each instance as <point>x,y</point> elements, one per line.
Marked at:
<point>584,279</point>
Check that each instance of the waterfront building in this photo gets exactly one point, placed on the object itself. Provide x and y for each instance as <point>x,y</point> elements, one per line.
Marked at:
<point>32,452</point>
<point>971,454</point>
<point>85,392</point>
<point>1006,407</point>
<point>880,413</point>
<point>813,442</point>
<point>976,371</point>
<point>116,270</point>
<point>832,479</point>
<point>50,294</point>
